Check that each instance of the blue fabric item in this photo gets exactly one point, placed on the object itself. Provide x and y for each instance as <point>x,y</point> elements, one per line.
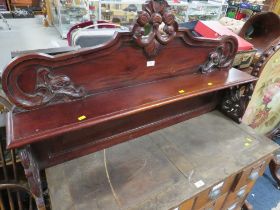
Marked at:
<point>265,195</point>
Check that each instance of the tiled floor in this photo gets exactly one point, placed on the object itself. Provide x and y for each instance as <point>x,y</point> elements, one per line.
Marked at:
<point>29,34</point>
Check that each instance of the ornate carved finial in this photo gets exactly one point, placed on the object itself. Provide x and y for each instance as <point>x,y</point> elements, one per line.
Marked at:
<point>147,32</point>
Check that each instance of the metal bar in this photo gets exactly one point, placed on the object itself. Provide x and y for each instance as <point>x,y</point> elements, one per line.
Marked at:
<point>15,186</point>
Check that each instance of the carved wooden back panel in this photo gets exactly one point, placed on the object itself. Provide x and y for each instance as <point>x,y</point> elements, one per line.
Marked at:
<point>147,54</point>
<point>261,30</point>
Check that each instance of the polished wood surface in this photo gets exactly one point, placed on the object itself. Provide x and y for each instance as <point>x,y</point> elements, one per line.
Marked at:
<point>132,79</point>
<point>159,170</point>
<point>261,30</point>
<point>70,105</point>
<point>134,100</point>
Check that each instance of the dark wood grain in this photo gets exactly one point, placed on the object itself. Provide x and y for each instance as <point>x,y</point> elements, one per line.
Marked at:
<point>266,29</point>
<point>122,61</point>
<point>76,103</point>
<point>32,173</point>
<point>106,106</point>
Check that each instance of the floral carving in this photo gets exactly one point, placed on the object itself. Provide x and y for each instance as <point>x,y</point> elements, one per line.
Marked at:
<point>154,14</point>
<point>49,88</point>
<point>56,87</point>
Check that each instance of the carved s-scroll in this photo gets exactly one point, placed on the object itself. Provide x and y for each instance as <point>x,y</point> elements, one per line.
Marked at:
<point>154,14</point>
<point>49,88</point>
<point>222,57</point>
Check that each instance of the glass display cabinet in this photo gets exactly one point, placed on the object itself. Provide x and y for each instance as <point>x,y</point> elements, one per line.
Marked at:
<point>66,13</point>
<point>206,10</point>
<point>120,12</point>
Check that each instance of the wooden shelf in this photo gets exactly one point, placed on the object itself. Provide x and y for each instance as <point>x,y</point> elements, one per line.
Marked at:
<point>57,119</point>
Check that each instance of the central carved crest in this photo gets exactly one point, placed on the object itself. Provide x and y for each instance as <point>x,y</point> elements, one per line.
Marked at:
<point>155,26</point>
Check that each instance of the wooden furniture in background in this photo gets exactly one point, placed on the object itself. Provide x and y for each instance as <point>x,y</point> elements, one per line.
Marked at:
<point>261,30</point>
<point>262,113</point>
<point>21,3</point>
<point>208,162</point>
<point>3,5</point>
<point>14,190</point>
<point>77,103</point>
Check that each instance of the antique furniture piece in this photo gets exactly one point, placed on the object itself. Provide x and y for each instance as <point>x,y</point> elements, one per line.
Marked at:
<point>14,191</point>
<point>208,162</point>
<point>261,30</point>
<point>70,105</point>
<point>262,113</point>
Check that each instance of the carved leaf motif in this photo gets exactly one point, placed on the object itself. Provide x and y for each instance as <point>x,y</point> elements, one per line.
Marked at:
<point>154,14</point>
<point>50,88</point>
<point>53,86</point>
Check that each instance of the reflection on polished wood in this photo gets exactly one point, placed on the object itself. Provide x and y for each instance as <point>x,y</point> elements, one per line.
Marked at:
<point>77,103</point>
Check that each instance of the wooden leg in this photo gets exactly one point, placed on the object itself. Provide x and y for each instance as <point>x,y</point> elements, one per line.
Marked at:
<point>32,174</point>
<point>247,206</point>
<point>274,167</point>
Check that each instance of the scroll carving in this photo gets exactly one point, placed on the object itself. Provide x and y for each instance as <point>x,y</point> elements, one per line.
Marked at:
<point>56,87</point>
<point>49,88</point>
<point>32,174</point>
<point>221,57</point>
<point>236,100</point>
<point>154,14</point>
<point>213,61</point>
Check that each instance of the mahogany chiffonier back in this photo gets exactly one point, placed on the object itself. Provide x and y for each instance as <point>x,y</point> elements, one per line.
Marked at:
<point>70,105</point>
